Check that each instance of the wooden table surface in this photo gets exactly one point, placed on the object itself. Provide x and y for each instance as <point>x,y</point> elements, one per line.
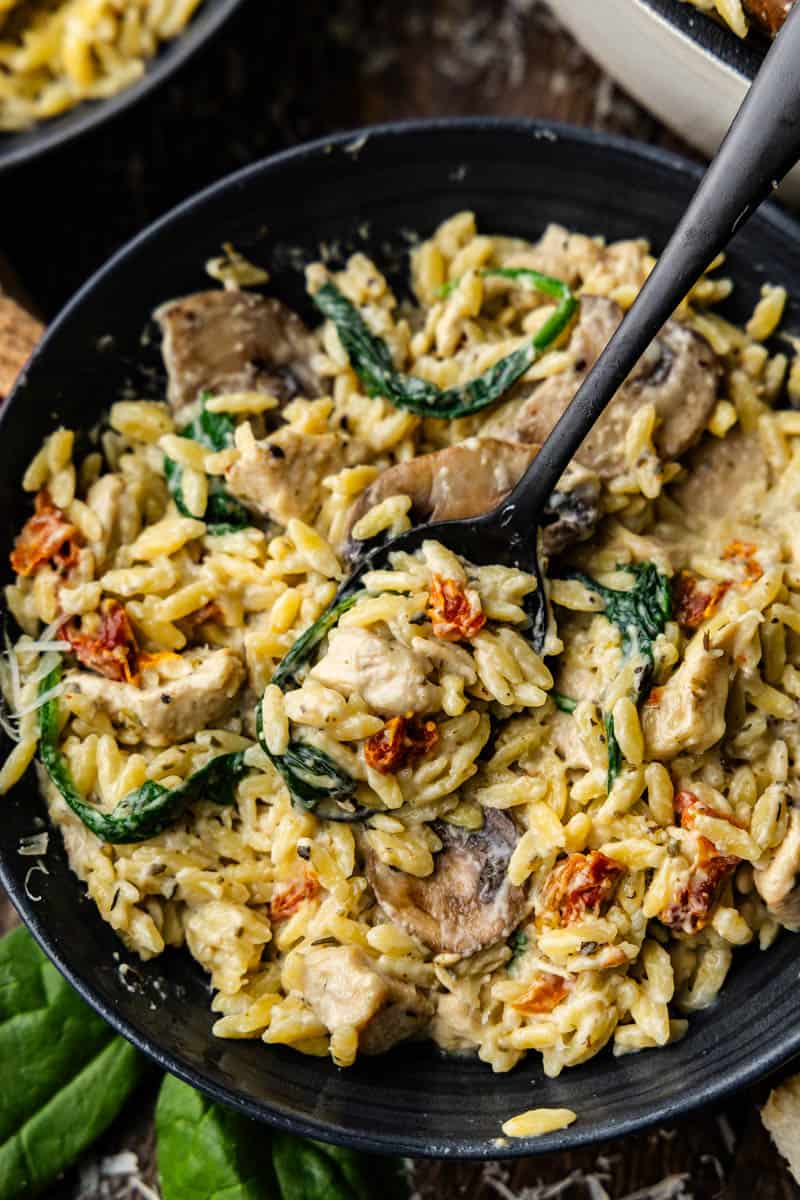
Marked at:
<point>278,74</point>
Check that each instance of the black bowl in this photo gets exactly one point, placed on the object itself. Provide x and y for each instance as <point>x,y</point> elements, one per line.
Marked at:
<point>402,179</point>
<point>27,144</point>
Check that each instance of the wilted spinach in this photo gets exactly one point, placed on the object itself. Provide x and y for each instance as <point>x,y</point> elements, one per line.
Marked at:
<point>371,358</point>
<point>149,809</point>
<point>640,614</point>
<point>215,431</point>
<point>314,780</point>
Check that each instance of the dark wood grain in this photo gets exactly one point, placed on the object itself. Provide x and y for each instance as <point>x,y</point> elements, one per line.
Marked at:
<point>281,73</point>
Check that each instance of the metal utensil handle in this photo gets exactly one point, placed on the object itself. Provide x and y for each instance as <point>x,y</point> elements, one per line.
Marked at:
<point>762,144</point>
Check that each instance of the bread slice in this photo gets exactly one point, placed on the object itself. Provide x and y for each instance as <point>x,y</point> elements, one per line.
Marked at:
<point>19,333</point>
<point>781,1115</point>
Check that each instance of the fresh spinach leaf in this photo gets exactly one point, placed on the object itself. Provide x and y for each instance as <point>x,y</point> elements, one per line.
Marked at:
<point>148,810</point>
<point>207,1152</point>
<point>371,358</point>
<point>65,1074</point>
<point>215,431</point>
<point>640,614</point>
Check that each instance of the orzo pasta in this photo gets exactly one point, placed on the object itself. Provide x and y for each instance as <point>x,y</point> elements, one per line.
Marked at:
<point>55,53</point>
<point>460,802</point>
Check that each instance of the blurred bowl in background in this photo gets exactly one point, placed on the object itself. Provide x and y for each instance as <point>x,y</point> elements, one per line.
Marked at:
<point>20,147</point>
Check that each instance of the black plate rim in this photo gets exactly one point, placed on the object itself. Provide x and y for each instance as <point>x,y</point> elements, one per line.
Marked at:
<point>20,147</point>
<point>732,1079</point>
<point>743,56</point>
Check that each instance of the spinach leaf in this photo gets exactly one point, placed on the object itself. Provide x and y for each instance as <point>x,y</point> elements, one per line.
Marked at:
<point>148,810</point>
<point>518,944</point>
<point>207,1152</point>
<point>314,780</point>
<point>309,1170</point>
<point>215,431</point>
<point>371,358</point>
<point>65,1075</point>
<point>565,703</point>
<point>640,614</point>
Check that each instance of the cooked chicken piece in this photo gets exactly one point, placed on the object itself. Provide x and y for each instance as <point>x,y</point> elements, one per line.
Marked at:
<point>473,477</point>
<point>344,987</point>
<point>103,499</point>
<point>391,678</point>
<point>19,333</point>
<point>468,902</point>
<point>281,476</point>
<point>777,884</point>
<point>677,375</point>
<point>457,1024</point>
<point>687,715</point>
<point>176,709</point>
<point>229,341</point>
<point>770,14</point>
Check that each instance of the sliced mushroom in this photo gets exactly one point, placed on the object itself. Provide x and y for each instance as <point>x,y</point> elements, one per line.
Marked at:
<point>230,341</point>
<point>468,902</point>
<point>777,884</point>
<point>678,375</point>
<point>473,477</point>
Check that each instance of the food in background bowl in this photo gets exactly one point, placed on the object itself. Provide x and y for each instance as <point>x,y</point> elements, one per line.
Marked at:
<point>54,55</point>
<point>510,814</point>
<point>742,15</point>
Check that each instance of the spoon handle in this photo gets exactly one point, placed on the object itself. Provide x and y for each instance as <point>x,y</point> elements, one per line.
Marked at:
<point>762,144</point>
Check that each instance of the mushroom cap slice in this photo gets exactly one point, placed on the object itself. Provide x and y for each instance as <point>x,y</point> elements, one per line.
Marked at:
<point>678,375</point>
<point>468,902</point>
<point>473,477</point>
<point>230,341</point>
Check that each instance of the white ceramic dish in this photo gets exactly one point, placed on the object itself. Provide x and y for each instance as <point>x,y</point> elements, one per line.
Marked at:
<point>680,64</point>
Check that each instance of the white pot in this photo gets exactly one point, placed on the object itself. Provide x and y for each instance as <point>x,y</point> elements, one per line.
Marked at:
<point>682,82</point>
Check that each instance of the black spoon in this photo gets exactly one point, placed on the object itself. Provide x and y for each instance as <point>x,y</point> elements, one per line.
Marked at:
<point>762,144</point>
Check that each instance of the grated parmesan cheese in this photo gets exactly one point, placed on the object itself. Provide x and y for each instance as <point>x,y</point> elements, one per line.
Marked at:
<point>33,844</point>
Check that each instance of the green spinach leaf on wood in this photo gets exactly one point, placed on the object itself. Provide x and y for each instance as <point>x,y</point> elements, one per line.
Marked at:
<point>65,1074</point>
<point>208,1152</point>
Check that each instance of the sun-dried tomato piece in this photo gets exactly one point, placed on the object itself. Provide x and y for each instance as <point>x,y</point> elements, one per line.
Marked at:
<point>745,552</point>
<point>455,611</point>
<point>46,536</point>
<point>688,806</point>
<point>208,612</point>
<point>287,901</point>
<point>581,885</point>
<point>691,909</point>
<point>401,740</point>
<point>695,604</point>
<point>111,649</point>
<point>544,994</point>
